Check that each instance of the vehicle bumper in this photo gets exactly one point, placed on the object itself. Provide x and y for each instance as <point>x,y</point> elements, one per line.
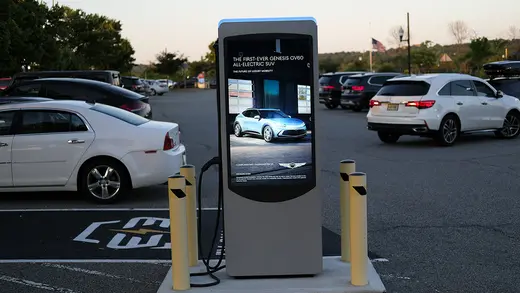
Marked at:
<point>431,121</point>
<point>328,99</point>
<point>353,101</point>
<point>403,129</point>
<point>291,133</point>
<point>148,169</point>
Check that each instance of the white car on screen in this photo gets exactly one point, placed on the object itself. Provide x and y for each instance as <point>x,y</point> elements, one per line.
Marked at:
<point>99,150</point>
<point>442,106</point>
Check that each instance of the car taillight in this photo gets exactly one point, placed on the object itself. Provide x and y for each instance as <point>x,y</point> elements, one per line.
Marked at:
<point>373,103</point>
<point>328,87</point>
<point>168,142</point>
<point>342,88</point>
<point>421,104</point>
<point>358,88</point>
<point>133,106</point>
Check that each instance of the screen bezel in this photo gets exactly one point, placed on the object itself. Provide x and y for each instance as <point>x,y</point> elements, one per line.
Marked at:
<point>272,193</point>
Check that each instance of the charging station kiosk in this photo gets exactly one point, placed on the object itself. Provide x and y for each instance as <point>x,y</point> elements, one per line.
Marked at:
<point>268,88</point>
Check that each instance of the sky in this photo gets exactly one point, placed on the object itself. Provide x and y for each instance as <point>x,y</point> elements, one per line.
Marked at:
<point>188,27</point>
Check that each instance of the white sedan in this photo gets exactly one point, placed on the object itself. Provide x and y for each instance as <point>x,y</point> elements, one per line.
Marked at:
<point>442,106</point>
<point>157,88</point>
<point>99,150</point>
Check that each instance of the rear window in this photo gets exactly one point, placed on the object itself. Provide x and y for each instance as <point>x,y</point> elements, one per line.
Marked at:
<point>508,86</point>
<point>325,80</point>
<point>352,81</point>
<point>5,82</point>
<point>404,88</point>
<point>119,91</point>
<point>120,114</point>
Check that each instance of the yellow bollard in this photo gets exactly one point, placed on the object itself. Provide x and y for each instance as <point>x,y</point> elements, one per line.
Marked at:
<point>346,167</point>
<point>188,171</point>
<point>358,228</point>
<point>179,232</point>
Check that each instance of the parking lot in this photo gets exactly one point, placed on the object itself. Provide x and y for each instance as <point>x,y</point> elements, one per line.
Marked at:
<point>440,219</point>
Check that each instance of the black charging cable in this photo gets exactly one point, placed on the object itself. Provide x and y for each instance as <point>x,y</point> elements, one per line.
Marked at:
<point>210,270</point>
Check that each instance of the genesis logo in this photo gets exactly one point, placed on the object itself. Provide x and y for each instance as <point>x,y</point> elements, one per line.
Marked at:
<point>292,165</point>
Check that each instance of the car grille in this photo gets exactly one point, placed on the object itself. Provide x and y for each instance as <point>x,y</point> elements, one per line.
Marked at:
<point>294,132</point>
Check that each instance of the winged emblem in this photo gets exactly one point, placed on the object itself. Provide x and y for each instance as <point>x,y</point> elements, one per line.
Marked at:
<point>292,165</point>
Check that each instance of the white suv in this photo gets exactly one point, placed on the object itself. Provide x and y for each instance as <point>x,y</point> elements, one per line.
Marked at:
<point>442,106</point>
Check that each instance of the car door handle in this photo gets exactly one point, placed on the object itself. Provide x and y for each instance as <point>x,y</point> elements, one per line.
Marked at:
<point>3,144</point>
<point>484,103</point>
<point>74,141</point>
<point>460,103</point>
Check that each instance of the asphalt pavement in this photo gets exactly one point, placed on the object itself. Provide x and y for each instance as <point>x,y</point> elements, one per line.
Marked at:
<point>440,219</point>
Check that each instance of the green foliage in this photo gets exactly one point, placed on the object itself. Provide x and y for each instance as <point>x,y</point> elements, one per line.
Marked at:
<point>169,63</point>
<point>60,38</point>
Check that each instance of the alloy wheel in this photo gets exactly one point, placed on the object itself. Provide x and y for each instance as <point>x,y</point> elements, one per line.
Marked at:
<point>511,126</point>
<point>449,131</point>
<point>268,134</point>
<point>237,129</point>
<point>103,182</point>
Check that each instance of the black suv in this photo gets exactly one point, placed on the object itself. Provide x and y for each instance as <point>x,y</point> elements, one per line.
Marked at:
<point>360,88</point>
<point>134,84</point>
<point>330,87</point>
<point>80,89</point>
<point>504,76</point>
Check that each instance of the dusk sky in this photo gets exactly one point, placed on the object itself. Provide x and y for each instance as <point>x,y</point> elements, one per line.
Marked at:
<point>344,25</point>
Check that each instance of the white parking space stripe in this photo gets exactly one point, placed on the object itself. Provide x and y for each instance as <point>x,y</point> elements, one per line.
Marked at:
<point>379,260</point>
<point>92,272</point>
<point>95,210</point>
<point>35,285</point>
<point>36,261</point>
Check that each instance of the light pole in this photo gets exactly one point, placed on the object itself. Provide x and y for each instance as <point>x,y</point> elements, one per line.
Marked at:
<point>401,35</point>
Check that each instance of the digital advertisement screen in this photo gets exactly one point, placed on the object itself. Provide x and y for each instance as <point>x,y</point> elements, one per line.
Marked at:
<point>270,111</point>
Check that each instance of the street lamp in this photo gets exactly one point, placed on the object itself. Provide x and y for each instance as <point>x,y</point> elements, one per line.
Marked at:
<point>401,35</point>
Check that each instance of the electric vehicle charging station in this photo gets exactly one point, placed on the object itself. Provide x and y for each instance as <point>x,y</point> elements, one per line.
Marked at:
<point>268,75</point>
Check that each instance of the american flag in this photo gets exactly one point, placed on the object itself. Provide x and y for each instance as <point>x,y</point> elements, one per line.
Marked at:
<point>377,45</point>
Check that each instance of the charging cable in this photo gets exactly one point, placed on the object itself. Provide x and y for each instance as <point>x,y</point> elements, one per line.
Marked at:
<point>210,270</point>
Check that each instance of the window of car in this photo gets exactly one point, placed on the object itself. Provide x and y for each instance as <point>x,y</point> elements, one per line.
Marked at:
<point>325,80</point>
<point>483,90</point>
<point>380,80</point>
<point>49,121</point>
<point>404,88</point>
<point>508,86</point>
<point>462,88</point>
<point>273,114</point>
<point>352,81</point>
<point>72,91</point>
<point>120,114</point>
<point>6,120</point>
<point>24,90</point>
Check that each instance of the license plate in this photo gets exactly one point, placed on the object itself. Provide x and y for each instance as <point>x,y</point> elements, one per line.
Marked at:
<point>321,90</point>
<point>392,107</point>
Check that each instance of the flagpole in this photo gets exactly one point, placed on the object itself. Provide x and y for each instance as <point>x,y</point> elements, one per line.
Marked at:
<point>371,45</point>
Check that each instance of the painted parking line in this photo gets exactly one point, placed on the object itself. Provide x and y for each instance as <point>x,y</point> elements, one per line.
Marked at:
<point>103,235</point>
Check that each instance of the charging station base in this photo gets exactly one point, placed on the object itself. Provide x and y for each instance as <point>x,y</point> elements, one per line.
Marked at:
<point>335,278</point>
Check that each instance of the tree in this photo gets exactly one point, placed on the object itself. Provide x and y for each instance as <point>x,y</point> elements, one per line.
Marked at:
<point>481,49</point>
<point>460,31</point>
<point>394,36</point>
<point>513,32</point>
<point>169,63</point>
<point>425,57</point>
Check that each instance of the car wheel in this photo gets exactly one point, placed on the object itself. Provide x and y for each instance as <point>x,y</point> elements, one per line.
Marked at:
<point>345,107</point>
<point>237,130</point>
<point>267,133</point>
<point>331,106</point>
<point>104,181</point>
<point>511,128</point>
<point>161,94</point>
<point>449,131</point>
<point>388,137</point>
<point>154,92</point>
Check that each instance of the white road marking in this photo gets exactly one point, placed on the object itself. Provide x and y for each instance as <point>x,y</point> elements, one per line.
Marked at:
<point>35,285</point>
<point>92,272</point>
<point>35,261</point>
<point>379,260</point>
<point>96,210</point>
<point>390,276</point>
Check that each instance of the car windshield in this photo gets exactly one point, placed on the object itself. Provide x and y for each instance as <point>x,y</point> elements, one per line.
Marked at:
<point>116,90</point>
<point>404,88</point>
<point>272,114</point>
<point>120,114</point>
<point>507,86</point>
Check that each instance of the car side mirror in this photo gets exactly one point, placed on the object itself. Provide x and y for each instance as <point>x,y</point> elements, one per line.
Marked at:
<point>499,94</point>
<point>256,117</point>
